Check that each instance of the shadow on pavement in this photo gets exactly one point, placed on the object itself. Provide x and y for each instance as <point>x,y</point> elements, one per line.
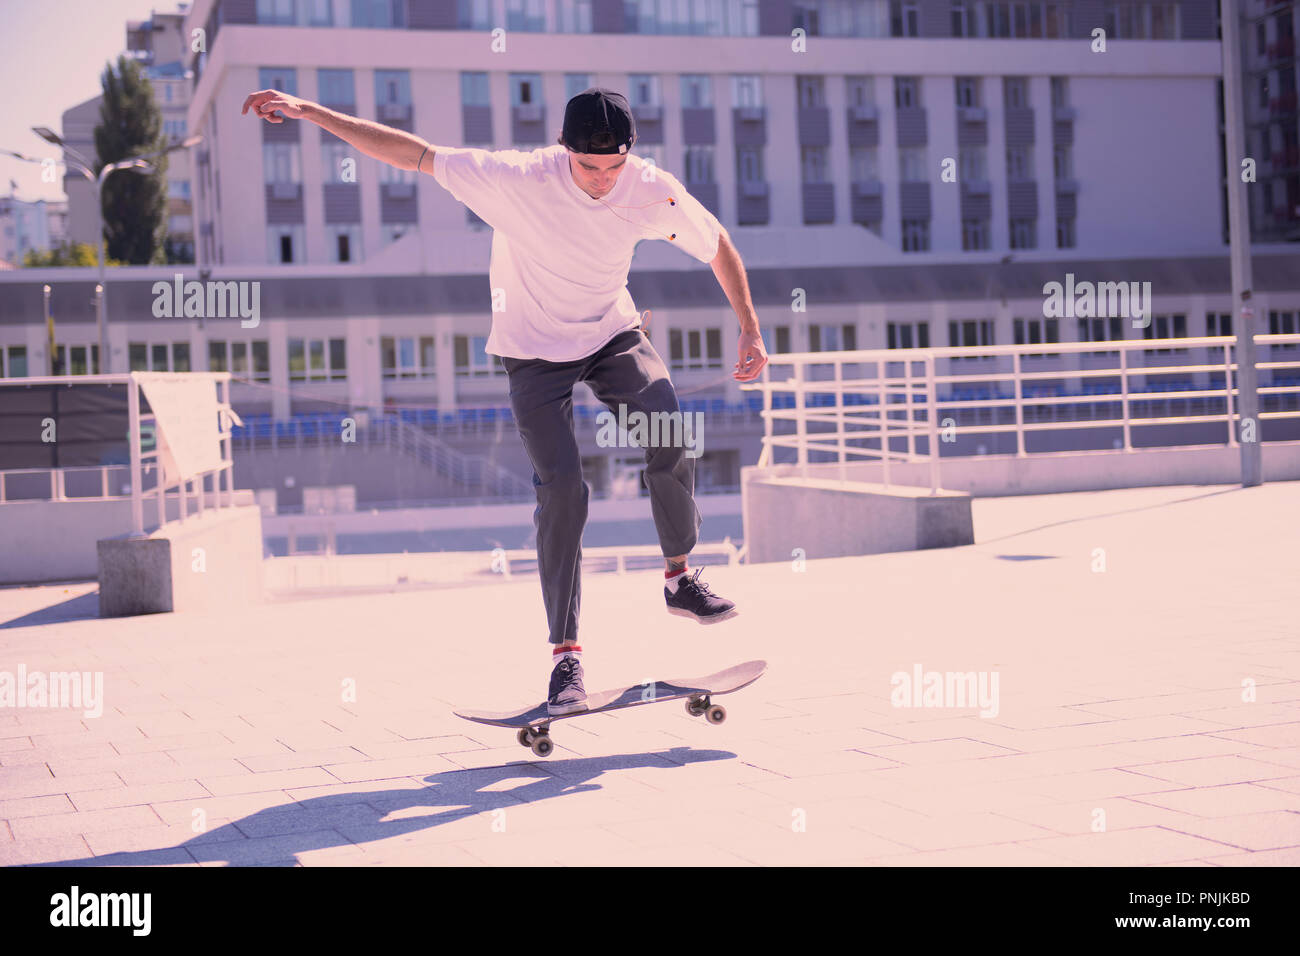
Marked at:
<point>356,818</point>
<point>85,606</point>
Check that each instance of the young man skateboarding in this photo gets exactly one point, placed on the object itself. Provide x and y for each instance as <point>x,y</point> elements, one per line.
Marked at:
<point>565,221</point>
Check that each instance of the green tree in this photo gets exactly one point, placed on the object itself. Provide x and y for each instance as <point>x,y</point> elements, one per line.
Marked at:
<point>134,203</point>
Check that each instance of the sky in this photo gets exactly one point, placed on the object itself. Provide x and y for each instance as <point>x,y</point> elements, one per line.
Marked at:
<point>52,53</point>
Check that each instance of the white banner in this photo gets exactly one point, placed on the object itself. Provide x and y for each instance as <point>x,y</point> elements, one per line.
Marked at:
<point>185,410</point>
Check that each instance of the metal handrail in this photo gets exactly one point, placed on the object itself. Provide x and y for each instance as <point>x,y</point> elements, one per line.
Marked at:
<point>145,462</point>
<point>915,401</point>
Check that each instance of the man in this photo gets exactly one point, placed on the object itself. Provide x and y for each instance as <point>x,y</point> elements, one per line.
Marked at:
<point>565,223</point>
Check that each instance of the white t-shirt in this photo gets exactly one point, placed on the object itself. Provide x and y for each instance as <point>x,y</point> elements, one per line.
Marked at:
<point>560,259</point>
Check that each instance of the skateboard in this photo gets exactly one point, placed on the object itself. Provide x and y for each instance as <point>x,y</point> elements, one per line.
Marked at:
<point>534,723</point>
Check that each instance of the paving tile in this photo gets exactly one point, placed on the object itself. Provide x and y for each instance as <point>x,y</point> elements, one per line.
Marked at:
<point>1222,801</point>
<point>36,806</point>
<point>44,850</point>
<point>1209,771</point>
<point>259,782</point>
<point>54,825</point>
<point>1138,846</point>
<point>1287,857</point>
<point>1274,830</point>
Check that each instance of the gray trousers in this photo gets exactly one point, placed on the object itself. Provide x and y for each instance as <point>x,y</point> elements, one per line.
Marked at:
<point>626,370</point>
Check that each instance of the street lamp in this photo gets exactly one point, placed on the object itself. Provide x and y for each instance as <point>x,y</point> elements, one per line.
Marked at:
<point>74,160</point>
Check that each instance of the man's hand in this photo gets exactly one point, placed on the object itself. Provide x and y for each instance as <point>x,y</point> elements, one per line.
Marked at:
<point>264,103</point>
<point>752,357</point>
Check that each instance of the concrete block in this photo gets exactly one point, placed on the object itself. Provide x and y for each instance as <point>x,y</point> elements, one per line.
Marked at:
<point>210,560</point>
<point>830,519</point>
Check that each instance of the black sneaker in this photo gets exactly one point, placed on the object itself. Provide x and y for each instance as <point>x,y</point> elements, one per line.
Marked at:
<point>567,695</point>
<point>693,599</point>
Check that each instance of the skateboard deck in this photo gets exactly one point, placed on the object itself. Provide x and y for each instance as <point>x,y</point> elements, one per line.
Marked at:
<point>533,723</point>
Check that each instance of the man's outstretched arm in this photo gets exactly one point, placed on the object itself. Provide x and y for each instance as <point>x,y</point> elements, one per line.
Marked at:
<point>730,272</point>
<point>392,146</point>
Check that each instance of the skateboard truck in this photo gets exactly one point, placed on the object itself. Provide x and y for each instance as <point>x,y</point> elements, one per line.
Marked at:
<point>703,707</point>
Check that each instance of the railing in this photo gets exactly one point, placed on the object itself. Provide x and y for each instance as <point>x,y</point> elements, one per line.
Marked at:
<point>862,417</point>
<point>142,463</point>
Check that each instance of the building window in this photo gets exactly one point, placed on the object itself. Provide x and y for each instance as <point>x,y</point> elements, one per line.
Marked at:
<point>970,333</point>
<point>1284,323</point>
<point>281,163</point>
<point>344,242</point>
<point>1024,234</point>
<point>527,16</point>
<point>916,235</point>
<point>1060,92</point>
<point>912,164</point>
<point>159,357</point>
<point>968,90</point>
<point>1019,163</point>
<point>1015,92</point>
<point>233,357</point>
<point>77,360</point>
<point>904,18</point>
<point>747,90</point>
<point>407,356</point>
<point>813,164</point>
<point>974,234</point>
<point>1034,331</point>
<point>1062,167</point>
<point>697,91</point>
<point>378,14</point>
<point>907,92</point>
<point>16,365</point>
<point>749,162</point>
<point>699,164</point>
<point>907,335</point>
<point>574,16</point>
<point>832,338</point>
<point>285,244</point>
<point>472,359</point>
<point>1065,234</point>
<point>692,349</point>
<point>317,360</point>
<point>1218,323</point>
<point>1166,327</point>
<point>1102,330</point>
<point>776,339</point>
<point>972,164</point>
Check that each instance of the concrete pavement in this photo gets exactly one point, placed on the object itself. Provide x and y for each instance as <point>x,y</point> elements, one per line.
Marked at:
<point>1138,654</point>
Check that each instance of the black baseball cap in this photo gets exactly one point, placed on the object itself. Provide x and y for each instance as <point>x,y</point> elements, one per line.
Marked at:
<point>598,110</point>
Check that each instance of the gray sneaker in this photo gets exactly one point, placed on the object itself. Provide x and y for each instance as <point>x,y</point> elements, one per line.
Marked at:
<point>567,695</point>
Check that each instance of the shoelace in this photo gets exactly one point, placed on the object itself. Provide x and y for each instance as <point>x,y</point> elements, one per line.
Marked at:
<point>695,582</point>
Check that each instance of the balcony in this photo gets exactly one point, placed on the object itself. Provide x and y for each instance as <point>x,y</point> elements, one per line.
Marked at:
<point>973,114</point>
<point>529,113</point>
<point>285,190</point>
<point>1063,114</point>
<point>648,113</point>
<point>753,188</point>
<point>399,190</point>
<point>863,188</point>
<point>976,187</point>
<point>1067,186</point>
<point>394,112</point>
<point>751,114</point>
<point>864,113</point>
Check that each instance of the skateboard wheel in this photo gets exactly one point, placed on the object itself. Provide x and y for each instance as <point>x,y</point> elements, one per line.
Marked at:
<point>523,737</point>
<point>542,746</point>
<point>716,714</point>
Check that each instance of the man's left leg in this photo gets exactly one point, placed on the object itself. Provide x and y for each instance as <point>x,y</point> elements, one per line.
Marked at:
<point>629,372</point>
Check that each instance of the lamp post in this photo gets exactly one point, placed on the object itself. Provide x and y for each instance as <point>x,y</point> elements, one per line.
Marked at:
<point>1243,319</point>
<point>74,160</point>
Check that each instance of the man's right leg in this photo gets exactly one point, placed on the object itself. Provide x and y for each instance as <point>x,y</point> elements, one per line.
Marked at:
<point>541,397</point>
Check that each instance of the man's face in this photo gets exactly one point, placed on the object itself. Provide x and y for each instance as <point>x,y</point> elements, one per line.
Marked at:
<point>596,173</point>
